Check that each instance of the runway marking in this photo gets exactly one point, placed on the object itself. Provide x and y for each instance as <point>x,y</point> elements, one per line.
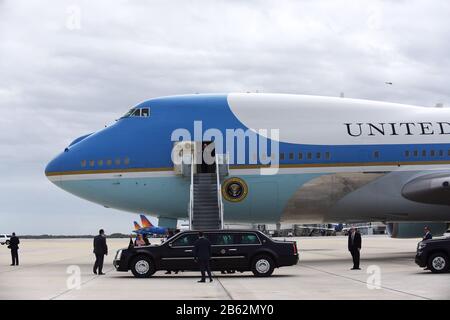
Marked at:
<point>223,287</point>
<point>364,282</point>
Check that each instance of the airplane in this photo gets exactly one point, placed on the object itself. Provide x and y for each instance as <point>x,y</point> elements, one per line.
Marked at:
<point>147,227</point>
<point>328,160</point>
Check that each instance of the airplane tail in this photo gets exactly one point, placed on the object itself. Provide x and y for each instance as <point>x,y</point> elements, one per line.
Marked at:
<point>145,222</point>
<point>136,226</point>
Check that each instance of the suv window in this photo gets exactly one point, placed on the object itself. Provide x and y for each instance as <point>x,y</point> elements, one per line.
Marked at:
<point>185,240</point>
<point>247,238</point>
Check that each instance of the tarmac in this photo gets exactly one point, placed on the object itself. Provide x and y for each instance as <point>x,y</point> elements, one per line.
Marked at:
<point>62,269</point>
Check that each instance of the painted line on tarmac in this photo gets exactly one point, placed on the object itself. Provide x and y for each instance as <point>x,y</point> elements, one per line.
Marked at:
<point>223,287</point>
<point>364,282</point>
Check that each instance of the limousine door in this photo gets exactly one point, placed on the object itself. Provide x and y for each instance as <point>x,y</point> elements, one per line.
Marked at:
<point>179,253</point>
<point>226,253</point>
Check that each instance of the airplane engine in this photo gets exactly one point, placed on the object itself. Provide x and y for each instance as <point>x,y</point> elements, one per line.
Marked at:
<point>415,229</point>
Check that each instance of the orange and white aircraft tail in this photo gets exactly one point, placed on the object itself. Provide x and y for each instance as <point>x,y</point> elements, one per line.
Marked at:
<point>137,226</point>
<point>145,222</point>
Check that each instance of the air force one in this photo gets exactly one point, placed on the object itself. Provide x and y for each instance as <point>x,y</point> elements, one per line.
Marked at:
<point>328,160</point>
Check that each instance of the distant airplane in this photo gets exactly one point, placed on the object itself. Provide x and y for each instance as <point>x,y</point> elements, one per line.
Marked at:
<point>148,227</point>
<point>389,83</point>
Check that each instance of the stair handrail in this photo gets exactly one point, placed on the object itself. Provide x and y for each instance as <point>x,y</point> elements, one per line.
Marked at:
<point>219,191</point>
<point>191,194</point>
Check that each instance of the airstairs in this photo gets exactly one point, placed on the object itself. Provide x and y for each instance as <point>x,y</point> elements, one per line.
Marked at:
<point>205,203</point>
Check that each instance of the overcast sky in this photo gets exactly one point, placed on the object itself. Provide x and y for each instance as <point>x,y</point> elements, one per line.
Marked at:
<point>67,68</point>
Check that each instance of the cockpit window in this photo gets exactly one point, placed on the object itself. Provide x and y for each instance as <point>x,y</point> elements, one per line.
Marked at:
<point>137,112</point>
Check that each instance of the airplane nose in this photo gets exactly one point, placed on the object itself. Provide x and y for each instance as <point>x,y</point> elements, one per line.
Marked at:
<point>56,165</point>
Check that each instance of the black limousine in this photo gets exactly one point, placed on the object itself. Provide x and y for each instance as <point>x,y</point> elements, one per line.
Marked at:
<point>232,250</point>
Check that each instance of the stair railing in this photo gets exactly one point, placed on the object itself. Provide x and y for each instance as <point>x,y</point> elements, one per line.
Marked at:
<point>191,194</point>
<point>219,191</point>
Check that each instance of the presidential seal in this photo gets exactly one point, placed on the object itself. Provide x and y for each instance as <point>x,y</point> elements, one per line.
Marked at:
<point>234,189</point>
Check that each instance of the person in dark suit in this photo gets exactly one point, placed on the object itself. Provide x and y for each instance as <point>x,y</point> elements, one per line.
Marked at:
<point>202,254</point>
<point>354,246</point>
<point>427,235</point>
<point>100,250</point>
<point>14,246</point>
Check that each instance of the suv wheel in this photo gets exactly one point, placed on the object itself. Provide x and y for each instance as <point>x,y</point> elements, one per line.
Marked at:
<point>438,263</point>
<point>7,242</point>
<point>262,266</point>
<point>142,267</point>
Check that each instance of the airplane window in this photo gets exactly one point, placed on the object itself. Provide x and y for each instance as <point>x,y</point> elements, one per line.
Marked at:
<point>291,156</point>
<point>108,162</point>
<point>136,113</point>
<point>117,162</point>
<point>309,155</point>
<point>416,153</point>
<point>129,113</point>
<point>91,163</point>
<point>424,153</point>
<point>432,153</point>
<point>100,162</point>
<point>407,153</point>
<point>327,155</point>
<point>145,112</point>
<point>282,156</point>
<point>318,155</point>
<point>441,153</point>
<point>83,163</point>
<point>376,154</point>
<point>300,156</point>
<point>126,161</point>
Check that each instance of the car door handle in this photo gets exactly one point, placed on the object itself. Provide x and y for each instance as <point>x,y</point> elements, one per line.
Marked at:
<point>232,249</point>
<point>187,250</point>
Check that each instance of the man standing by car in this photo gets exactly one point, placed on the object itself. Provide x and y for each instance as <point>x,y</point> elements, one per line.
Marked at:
<point>354,246</point>
<point>14,246</point>
<point>100,250</point>
<point>202,253</point>
<point>428,235</point>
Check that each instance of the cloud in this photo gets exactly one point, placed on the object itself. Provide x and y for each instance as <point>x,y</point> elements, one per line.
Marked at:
<point>59,81</point>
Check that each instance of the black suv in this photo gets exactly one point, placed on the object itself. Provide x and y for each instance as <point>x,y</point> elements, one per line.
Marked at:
<point>232,250</point>
<point>434,254</point>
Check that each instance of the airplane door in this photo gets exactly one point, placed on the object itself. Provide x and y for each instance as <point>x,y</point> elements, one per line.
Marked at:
<point>182,153</point>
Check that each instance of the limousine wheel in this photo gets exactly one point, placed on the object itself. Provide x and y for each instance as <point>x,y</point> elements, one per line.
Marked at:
<point>142,267</point>
<point>262,266</point>
<point>438,263</point>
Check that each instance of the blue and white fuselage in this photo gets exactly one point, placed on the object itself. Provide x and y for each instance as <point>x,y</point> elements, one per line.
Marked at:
<point>339,159</point>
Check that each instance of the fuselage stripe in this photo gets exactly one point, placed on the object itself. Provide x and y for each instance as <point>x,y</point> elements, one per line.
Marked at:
<point>258,166</point>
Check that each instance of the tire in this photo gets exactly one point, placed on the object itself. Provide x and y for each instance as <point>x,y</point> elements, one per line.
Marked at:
<point>142,267</point>
<point>438,263</point>
<point>7,242</point>
<point>262,266</point>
